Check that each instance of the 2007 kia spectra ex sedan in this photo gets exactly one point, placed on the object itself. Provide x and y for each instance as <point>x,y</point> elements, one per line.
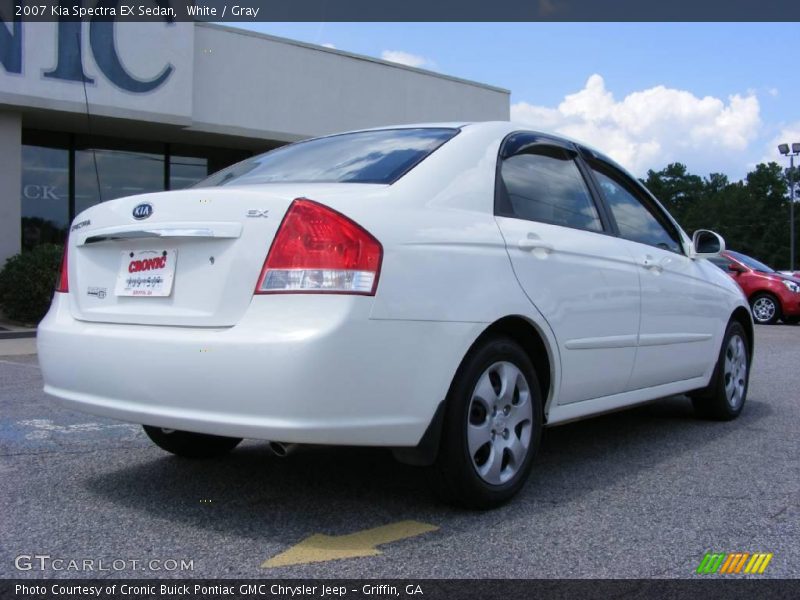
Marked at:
<point>443,290</point>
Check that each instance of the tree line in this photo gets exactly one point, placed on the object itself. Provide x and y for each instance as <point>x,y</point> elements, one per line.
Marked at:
<point>752,215</point>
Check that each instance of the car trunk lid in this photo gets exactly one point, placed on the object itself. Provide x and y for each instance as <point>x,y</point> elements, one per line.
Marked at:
<point>191,258</point>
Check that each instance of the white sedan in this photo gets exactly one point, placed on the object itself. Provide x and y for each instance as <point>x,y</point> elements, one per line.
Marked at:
<point>442,290</point>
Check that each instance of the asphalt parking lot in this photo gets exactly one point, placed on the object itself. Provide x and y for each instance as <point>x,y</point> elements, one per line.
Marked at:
<point>638,494</point>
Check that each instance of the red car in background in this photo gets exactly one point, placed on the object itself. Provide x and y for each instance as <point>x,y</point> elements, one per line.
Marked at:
<point>772,295</point>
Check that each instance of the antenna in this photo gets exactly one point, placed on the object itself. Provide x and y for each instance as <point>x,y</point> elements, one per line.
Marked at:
<point>89,128</point>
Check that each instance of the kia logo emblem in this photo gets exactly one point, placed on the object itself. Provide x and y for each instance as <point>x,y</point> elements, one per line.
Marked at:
<point>142,211</point>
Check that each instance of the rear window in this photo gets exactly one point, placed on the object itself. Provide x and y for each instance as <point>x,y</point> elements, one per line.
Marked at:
<point>381,156</point>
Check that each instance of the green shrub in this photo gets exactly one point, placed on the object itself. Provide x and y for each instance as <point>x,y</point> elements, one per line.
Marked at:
<point>27,282</point>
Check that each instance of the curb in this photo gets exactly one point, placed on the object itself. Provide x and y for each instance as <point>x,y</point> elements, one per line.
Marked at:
<point>15,335</point>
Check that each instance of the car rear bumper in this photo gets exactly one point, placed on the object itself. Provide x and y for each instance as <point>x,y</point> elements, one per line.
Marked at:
<point>304,369</point>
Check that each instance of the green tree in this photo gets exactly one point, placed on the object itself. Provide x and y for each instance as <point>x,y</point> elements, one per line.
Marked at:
<point>752,215</point>
<point>676,188</point>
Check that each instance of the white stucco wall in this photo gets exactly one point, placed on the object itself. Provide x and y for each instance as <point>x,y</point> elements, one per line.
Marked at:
<point>144,49</point>
<point>288,90</point>
<point>236,82</point>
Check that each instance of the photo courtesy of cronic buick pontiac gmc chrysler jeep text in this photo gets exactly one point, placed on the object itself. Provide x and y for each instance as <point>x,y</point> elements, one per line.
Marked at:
<point>442,290</point>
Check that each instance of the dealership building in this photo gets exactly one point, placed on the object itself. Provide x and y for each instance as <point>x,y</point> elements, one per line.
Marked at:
<point>90,112</point>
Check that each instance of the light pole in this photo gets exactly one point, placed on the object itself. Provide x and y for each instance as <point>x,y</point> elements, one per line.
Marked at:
<point>784,149</point>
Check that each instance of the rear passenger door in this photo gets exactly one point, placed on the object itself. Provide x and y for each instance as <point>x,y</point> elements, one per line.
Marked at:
<point>680,315</point>
<point>579,276</point>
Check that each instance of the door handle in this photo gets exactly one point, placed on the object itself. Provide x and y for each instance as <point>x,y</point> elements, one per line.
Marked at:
<point>534,244</point>
<point>649,263</point>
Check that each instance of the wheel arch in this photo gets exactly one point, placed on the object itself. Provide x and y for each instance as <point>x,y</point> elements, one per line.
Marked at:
<point>527,335</point>
<point>532,341</point>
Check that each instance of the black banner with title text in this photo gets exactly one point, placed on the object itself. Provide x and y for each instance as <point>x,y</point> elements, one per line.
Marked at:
<point>372,589</point>
<point>405,11</point>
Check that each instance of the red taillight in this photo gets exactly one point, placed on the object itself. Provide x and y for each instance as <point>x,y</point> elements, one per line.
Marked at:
<point>318,249</point>
<point>62,283</point>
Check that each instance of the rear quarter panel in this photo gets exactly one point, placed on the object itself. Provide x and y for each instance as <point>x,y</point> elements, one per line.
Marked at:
<point>445,259</point>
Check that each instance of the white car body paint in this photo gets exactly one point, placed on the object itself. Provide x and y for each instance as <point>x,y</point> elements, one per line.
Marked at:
<point>622,323</point>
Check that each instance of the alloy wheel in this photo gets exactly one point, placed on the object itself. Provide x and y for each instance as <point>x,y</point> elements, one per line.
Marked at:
<point>764,309</point>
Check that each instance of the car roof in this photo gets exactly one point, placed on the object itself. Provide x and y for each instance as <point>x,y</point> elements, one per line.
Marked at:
<point>498,127</point>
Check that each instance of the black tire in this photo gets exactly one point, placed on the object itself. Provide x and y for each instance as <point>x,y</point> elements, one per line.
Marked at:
<point>190,445</point>
<point>716,401</point>
<point>455,475</point>
<point>772,312</point>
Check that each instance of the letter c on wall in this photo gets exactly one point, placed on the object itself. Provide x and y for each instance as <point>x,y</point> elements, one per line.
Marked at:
<point>101,38</point>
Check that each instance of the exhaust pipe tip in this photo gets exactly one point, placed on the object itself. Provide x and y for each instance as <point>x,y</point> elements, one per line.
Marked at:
<point>282,450</point>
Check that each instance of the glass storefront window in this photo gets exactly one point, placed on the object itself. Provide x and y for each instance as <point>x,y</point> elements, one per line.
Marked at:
<point>120,173</point>
<point>185,171</point>
<point>59,179</point>
<point>45,195</point>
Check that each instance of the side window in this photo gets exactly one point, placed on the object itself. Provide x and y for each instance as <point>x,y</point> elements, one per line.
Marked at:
<point>543,183</point>
<point>636,219</point>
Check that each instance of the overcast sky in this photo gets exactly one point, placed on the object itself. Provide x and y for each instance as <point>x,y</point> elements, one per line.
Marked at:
<point>718,97</point>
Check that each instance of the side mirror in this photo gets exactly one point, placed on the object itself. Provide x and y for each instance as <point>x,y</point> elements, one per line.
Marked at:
<point>707,244</point>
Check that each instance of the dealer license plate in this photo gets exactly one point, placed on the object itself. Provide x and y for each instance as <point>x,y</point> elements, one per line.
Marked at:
<point>146,273</point>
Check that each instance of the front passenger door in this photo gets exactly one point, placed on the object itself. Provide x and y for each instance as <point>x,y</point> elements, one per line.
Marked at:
<point>680,315</point>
